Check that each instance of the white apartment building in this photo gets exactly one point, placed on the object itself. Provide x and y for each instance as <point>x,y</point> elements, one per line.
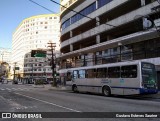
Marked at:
<point>34,33</point>
<point>5,55</point>
<point>109,31</point>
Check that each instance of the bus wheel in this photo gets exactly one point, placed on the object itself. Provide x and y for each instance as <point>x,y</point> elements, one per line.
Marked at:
<point>106,91</point>
<point>74,88</point>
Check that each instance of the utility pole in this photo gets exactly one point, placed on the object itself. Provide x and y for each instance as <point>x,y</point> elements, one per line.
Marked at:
<point>14,72</point>
<point>32,73</point>
<point>52,48</point>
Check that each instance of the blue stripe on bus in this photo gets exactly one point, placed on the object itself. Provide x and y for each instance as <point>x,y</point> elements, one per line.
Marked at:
<point>125,87</point>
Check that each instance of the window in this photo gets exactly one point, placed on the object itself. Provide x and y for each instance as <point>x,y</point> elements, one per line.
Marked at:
<point>75,74</point>
<point>66,24</point>
<point>103,2</point>
<point>129,71</point>
<point>114,72</point>
<point>77,17</point>
<point>84,12</point>
<point>69,76</point>
<point>91,73</point>
<point>81,74</point>
<point>101,72</point>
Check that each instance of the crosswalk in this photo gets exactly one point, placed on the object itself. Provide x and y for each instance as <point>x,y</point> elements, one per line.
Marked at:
<point>15,89</point>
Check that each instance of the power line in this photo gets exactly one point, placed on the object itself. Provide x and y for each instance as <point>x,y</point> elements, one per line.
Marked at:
<point>79,12</point>
<point>53,12</point>
<point>42,6</point>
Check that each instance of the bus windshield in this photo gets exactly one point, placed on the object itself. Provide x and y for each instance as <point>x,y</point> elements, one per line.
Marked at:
<point>149,76</point>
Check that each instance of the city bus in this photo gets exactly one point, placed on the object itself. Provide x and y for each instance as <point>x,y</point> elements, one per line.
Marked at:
<point>122,78</point>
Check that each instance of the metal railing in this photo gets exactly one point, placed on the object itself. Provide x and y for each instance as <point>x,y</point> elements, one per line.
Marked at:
<point>101,59</point>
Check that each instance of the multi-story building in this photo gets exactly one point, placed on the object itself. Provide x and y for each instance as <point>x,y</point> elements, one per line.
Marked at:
<point>36,68</point>
<point>5,55</point>
<point>34,33</point>
<point>109,31</point>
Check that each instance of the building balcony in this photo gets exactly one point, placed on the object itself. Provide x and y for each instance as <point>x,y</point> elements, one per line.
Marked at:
<point>120,21</point>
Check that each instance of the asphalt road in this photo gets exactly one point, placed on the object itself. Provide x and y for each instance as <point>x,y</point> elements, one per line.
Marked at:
<point>22,98</point>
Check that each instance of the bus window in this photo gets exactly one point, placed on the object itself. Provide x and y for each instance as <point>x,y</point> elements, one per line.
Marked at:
<point>81,74</point>
<point>91,73</point>
<point>101,72</point>
<point>129,71</point>
<point>75,74</point>
<point>114,72</point>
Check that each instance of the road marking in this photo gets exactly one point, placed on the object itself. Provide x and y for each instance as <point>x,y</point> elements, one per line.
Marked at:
<point>8,89</point>
<point>14,89</point>
<point>20,89</point>
<point>48,103</point>
<point>2,89</point>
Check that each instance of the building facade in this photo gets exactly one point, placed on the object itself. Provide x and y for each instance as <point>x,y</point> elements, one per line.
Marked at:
<point>38,68</point>
<point>110,31</point>
<point>34,33</point>
<point>66,4</point>
<point>5,55</point>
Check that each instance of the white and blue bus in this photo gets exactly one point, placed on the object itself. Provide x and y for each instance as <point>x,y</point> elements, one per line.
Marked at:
<point>123,78</point>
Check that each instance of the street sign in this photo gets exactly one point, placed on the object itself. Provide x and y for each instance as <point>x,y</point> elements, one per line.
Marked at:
<point>38,53</point>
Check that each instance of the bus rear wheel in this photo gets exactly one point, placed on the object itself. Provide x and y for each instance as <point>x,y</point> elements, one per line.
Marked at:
<point>74,88</point>
<point>106,91</point>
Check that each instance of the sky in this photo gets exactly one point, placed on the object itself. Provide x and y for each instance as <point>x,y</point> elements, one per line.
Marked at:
<point>13,12</point>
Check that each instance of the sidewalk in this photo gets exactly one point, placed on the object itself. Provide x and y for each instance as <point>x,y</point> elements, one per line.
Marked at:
<point>49,87</point>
